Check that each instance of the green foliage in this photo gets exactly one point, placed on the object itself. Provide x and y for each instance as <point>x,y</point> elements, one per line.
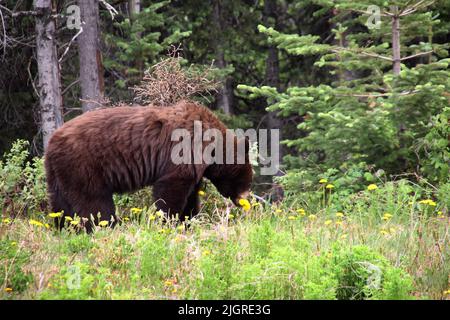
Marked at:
<point>12,262</point>
<point>22,182</point>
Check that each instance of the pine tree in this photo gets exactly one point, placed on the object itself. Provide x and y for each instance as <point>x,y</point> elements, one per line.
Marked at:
<point>389,84</point>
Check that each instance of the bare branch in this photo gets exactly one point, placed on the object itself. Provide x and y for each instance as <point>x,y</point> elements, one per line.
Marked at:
<point>364,53</point>
<point>416,55</point>
<point>70,43</point>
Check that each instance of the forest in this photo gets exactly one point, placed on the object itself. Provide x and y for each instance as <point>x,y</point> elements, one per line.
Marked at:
<point>357,92</point>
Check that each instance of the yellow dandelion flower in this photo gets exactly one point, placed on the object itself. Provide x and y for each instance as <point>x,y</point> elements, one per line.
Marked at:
<point>206,252</point>
<point>151,217</point>
<point>103,223</point>
<point>136,210</point>
<point>291,218</point>
<point>278,211</point>
<point>428,202</point>
<point>168,283</point>
<point>301,212</point>
<point>68,218</point>
<point>312,216</point>
<point>328,222</point>
<point>245,204</point>
<point>329,186</point>
<point>372,187</point>
<point>75,222</point>
<point>160,213</point>
<point>8,290</point>
<point>36,223</point>
<point>384,232</point>
<point>47,226</point>
<point>174,290</point>
<point>323,181</point>
<point>339,214</point>
<point>55,214</point>
<point>13,243</point>
<point>201,193</point>
<point>126,219</point>
<point>6,221</point>
<point>446,292</point>
<point>231,216</point>
<point>387,216</point>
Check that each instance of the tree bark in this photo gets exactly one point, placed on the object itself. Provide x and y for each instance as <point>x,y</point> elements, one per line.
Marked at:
<point>396,54</point>
<point>50,97</point>
<point>91,69</point>
<point>225,95</point>
<point>272,78</point>
<point>134,8</point>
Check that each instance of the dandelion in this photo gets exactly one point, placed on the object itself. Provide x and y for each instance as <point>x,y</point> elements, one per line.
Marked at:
<point>180,227</point>
<point>206,253</point>
<point>160,213</point>
<point>6,221</point>
<point>47,226</point>
<point>339,214</point>
<point>329,186</point>
<point>126,219</point>
<point>168,283</point>
<point>68,218</point>
<point>201,193</point>
<point>8,290</point>
<point>36,223</point>
<point>312,217</point>
<point>75,222</point>
<point>372,187</point>
<point>231,216</point>
<point>245,204</point>
<point>387,216</point>
<point>384,232</point>
<point>447,292</point>
<point>103,223</point>
<point>136,210</point>
<point>301,212</point>
<point>328,222</point>
<point>429,202</point>
<point>291,218</point>
<point>55,214</point>
<point>151,217</point>
<point>13,243</point>
<point>323,181</point>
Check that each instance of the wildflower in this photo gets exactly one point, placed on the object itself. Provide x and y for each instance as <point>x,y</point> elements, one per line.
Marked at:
<point>103,223</point>
<point>6,221</point>
<point>446,292</point>
<point>328,222</point>
<point>186,218</point>
<point>255,204</point>
<point>429,202</point>
<point>160,213</point>
<point>136,210</point>
<point>47,226</point>
<point>291,218</point>
<point>201,193</point>
<point>339,214</point>
<point>55,214</point>
<point>180,227</point>
<point>323,180</point>
<point>301,212</point>
<point>372,187</point>
<point>384,232</point>
<point>230,216</point>
<point>8,290</point>
<point>440,214</point>
<point>168,283</point>
<point>126,219</point>
<point>386,216</point>
<point>75,222</point>
<point>312,216</point>
<point>329,186</point>
<point>206,253</point>
<point>339,223</point>
<point>68,218</point>
<point>151,217</point>
<point>244,204</point>
<point>36,223</point>
<point>13,243</point>
<point>278,211</point>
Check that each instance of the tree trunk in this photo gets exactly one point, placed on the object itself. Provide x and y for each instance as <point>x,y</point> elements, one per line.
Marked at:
<point>48,69</point>
<point>91,70</point>
<point>225,94</point>
<point>272,78</point>
<point>396,41</point>
<point>134,8</point>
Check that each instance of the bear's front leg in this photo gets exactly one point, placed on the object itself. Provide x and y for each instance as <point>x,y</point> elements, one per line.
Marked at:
<point>193,203</point>
<point>171,195</point>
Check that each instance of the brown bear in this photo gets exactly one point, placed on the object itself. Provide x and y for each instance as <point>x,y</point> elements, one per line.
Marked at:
<point>123,149</point>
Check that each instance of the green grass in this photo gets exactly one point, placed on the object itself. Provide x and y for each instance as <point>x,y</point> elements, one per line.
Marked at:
<point>300,249</point>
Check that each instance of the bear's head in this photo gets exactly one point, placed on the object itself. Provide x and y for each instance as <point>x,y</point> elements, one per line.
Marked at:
<point>233,180</point>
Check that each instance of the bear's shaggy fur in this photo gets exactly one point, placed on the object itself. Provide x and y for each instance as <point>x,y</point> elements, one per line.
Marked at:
<point>123,149</point>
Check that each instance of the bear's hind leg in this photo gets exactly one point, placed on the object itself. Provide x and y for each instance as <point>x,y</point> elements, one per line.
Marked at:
<point>193,203</point>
